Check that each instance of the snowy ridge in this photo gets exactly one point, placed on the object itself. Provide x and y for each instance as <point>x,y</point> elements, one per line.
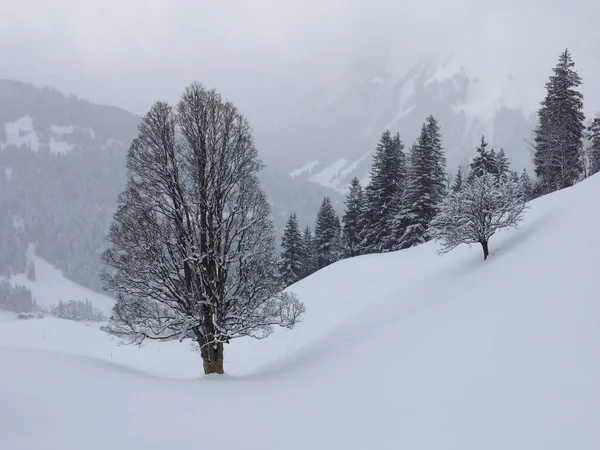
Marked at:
<point>329,176</point>
<point>307,168</point>
<point>337,175</point>
<point>401,350</point>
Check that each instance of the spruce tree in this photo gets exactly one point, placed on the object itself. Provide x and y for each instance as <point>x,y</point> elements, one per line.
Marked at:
<point>327,234</point>
<point>484,162</point>
<point>387,175</point>
<point>458,182</point>
<point>291,261</point>
<point>594,135</point>
<point>309,253</point>
<point>558,136</point>
<point>502,166</point>
<point>352,219</point>
<point>426,187</point>
<point>526,185</point>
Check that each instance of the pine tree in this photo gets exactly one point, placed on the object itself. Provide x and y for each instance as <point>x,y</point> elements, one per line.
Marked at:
<point>594,135</point>
<point>352,219</point>
<point>426,185</point>
<point>502,166</point>
<point>327,234</point>
<point>458,182</point>
<point>484,162</point>
<point>526,185</point>
<point>387,182</point>
<point>291,261</point>
<point>558,136</point>
<point>475,213</point>
<point>31,271</point>
<point>309,253</point>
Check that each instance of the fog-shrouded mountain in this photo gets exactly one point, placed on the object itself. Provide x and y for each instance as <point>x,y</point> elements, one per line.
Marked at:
<point>334,142</point>
<point>62,167</point>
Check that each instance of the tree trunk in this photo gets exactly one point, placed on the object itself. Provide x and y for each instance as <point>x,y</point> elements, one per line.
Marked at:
<point>212,357</point>
<point>486,251</point>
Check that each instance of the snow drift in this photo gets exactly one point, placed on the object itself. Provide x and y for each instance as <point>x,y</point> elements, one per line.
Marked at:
<point>403,350</point>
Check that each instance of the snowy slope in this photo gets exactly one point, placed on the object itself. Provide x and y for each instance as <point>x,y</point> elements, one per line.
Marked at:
<point>51,286</point>
<point>404,350</point>
<point>21,132</point>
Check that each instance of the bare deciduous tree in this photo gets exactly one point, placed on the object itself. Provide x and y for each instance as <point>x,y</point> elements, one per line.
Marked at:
<point>192,248</point>
<point>472,215</point>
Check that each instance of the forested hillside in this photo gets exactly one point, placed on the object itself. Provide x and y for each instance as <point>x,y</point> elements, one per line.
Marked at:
<point>62,166</point>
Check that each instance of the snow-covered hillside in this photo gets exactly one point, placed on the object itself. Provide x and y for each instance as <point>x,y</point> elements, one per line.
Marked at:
<point>403,350</point>
<point>51,286</point>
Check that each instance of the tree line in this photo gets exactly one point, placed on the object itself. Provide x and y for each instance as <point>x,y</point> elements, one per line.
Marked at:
<point>78,310</point>
<point>410,199</point>
<point>16,298</point>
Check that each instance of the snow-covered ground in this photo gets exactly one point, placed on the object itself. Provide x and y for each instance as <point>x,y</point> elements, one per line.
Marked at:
<point>50,286</point>
<point>22,132</point>
<point>408,350</point>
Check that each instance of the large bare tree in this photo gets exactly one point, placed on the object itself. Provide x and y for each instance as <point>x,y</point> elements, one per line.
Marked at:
<point>191,247</point>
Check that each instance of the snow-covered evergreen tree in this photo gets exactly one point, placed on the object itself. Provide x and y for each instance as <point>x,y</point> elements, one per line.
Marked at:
<point>192,246</point>
<point>16,298</point>
<point>526,185</point>
<point>309,252</point>
<point>353,219</point>
<point>291,260</point>
<point>502,166</point>
<point>458,181</point>
<point>385,187</point>
<point>594,136</point>
<point>31,271</point>
<point>327,234</point>
<point>426,186</point>
<point>484,162</point>
<point>558,136</point>
<point>473,214</point>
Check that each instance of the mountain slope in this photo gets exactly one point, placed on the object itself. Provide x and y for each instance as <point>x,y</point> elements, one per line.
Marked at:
<point>466,100</point>
<point>62,166</point>
<point>403,350</point>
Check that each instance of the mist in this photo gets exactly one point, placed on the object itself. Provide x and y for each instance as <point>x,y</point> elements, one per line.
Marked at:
<point>264,53</point>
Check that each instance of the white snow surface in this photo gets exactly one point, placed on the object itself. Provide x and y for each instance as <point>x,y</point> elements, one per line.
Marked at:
<point>329,176</point>
<point>308,167</point>
<point>60,147</point>
<point>408,350</point>
<point>51,286</point>
<point>21,132</point>
<point>336,175</point>
<point>62,129</point>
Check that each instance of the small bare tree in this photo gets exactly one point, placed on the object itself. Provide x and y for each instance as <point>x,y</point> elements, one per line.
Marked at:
<point>473,214</point>
<point>192,248</point>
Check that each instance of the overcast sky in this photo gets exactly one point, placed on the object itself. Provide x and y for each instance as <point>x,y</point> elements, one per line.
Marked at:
<point>132,52</point>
